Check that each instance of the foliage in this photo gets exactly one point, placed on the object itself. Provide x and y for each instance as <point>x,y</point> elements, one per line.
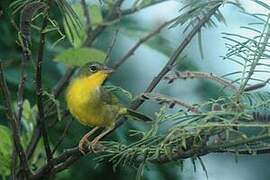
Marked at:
<point>236,121</point>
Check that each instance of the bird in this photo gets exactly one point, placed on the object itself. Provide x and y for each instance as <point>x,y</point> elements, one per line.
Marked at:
<point>92,105</point>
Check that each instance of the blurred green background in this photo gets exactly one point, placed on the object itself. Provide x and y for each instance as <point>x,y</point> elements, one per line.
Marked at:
<point>134,76</point>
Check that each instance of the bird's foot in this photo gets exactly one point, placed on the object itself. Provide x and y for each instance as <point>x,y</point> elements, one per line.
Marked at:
<point>94,145</point>
<point>83,143</point>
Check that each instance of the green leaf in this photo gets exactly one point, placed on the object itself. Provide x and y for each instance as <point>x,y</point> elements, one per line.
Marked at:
<point>5,150</point>
<point>75,35</point>
<point>80,56</point>
<point>95,15</point>
<point>26,109</point>
<point>74,30</point>
<point>29,115</point>
<point>118,91</point>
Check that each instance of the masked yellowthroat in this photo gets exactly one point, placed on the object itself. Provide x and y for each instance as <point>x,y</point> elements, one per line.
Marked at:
<point>94,106</point>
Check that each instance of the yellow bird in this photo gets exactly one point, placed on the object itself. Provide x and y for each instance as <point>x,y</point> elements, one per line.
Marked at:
<point>92,105</point>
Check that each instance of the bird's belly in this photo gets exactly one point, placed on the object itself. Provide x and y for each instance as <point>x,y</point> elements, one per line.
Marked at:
<point>89,110</point>
<point>89,114</point>
<point>87,106</point>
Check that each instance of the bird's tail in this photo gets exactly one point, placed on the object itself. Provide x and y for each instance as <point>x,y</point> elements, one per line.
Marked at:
<point>138,115</point>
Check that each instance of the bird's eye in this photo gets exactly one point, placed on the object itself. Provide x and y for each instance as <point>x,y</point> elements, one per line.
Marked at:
<point>93,68</point>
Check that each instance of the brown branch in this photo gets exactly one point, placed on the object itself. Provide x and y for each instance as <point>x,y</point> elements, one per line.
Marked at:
<point>20,94</point>
<point>75,152</point>
<point>26,54</point>
<point>63,160</point>
<point>256,86</point>
<point>138,8</point>
<point>39,91</point>
<point>171,101</point>
<point>61,84</point>
<point>33,142</point>
<point>203,149</point>
<point>195,74</point>
<point>61,139</point>
<point>175,55</point>
<point>65,164</point>
<point>11,116</point>
<point>141,41</point>
<point>56,91</point>
<point>71,155</point>
<point>110,48</point>
<point>113,15</point>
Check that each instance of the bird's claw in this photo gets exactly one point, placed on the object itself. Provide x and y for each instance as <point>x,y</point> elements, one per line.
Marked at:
<point>82,144</point>
<point>94,146</point>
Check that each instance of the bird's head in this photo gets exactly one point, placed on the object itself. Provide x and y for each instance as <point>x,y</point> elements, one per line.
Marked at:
<point>94,69</point>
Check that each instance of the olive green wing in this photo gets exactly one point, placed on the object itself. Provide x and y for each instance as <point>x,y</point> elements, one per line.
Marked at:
<point>108,97</point>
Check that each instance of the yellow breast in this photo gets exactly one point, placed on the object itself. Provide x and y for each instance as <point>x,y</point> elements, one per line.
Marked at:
<point>84,102</point>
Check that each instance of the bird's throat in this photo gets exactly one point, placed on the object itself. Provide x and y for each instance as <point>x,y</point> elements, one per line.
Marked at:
<point>82,88</point>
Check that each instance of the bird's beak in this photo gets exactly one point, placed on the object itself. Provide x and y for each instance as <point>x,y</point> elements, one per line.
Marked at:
<point>108,70</point>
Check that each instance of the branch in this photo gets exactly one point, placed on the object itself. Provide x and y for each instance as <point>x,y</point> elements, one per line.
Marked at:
<point>75,153</point>
<point>33,142</point>
<point>61,139</point>
<point>192,74</point>
<point>113,15</point>
<point>86,15</point>
<point>141,41</point>
<point>61,84</point>
<point>110,48</point>
<point>61,162</point>
<point>256,86</point>
<point>39,91</point>
<point>175,55</point>
<point>20,94</point>
<point>14,123</point>
<point>138,8</point>
<point>172,101</point>
<point>194,150</point>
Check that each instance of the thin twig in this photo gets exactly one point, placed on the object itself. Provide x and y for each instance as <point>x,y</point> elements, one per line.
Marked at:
<point>20,95</point>
<point>59,87</point>
<point>14,123</point>
<point>141,41</point>
<point>110,48</point>
<point>171,101</point>
<point>113,15</point>
<point>195,74</point>
<point>86,15</point>
<point>256,86</point>
<point>33,142</point>
<point>39,91</point>
<point>175,55</point>
<point>138,8</point>
<point>61,139</point>
<point>261,46</point>
<point>56,91</point>
<point>14,164</point>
